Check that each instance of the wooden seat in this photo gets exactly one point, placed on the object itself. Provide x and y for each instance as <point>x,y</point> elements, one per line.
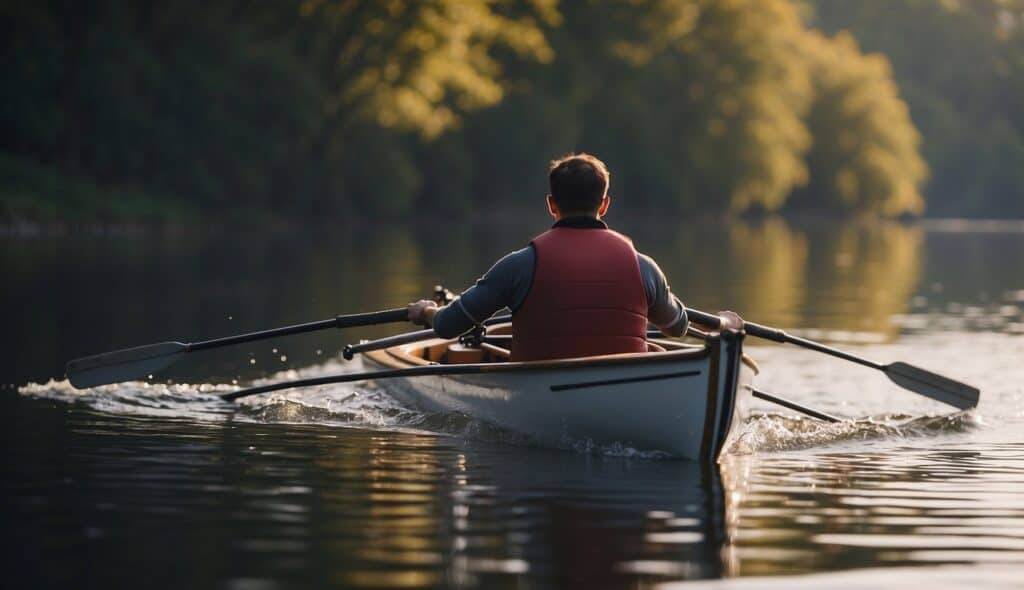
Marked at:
<point>459,354</point>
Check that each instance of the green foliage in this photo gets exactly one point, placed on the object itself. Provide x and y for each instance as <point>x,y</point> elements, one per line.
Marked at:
<point>416,64</point>
<point>865,149</point>
<point>704,105</point>
<point>708,103</point>
<point>135,93</point>
<point>383,179</point>
<point>960,66</point>
<point>40,194</point>
<point>365,108</point>
<point>695,104</point>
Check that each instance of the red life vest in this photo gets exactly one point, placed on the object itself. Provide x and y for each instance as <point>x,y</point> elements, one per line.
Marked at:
<point>587,298</point>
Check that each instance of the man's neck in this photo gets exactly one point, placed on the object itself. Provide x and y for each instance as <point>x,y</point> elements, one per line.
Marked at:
<point>580,222</point>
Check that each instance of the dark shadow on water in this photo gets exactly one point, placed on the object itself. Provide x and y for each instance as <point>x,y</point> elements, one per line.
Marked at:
<point>96,500</point>
<point>72,296</point>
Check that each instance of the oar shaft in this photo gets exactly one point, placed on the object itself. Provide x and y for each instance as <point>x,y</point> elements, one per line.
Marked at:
<point>132,363</point>
<point>931,385</point>
<point>714,321</point>
<point>782,337</point>
<point>418,371</point>
<point>803,342</point>
<point>793,406</point>
<point>351,350</point>
<point>261,335</point>
<point>341,321</point>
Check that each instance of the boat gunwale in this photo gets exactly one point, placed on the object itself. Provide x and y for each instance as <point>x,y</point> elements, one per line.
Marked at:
<point>400,357</point>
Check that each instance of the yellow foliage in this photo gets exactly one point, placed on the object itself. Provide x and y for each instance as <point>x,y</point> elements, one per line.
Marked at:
<point>739,93</point>
<point>865,155</point>
<point>416,64</point>
<point>735,104</point>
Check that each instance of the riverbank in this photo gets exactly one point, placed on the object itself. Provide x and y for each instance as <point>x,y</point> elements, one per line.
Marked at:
<point>103,223</point>
<point>38,201</point>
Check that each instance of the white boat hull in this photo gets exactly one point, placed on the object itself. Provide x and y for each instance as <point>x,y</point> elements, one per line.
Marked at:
<point>683,403</point>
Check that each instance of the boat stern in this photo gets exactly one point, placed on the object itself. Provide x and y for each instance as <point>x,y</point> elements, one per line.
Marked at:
<point>728,392</point>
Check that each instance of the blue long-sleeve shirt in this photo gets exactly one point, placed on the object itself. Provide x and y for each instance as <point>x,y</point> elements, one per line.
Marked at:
<point>508,282</point>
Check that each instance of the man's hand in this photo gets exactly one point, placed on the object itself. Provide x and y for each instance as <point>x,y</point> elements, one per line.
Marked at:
<point>730,321</point>
<point>422,312</point>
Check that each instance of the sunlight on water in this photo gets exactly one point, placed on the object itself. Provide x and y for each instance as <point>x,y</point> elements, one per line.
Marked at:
<point>942,578</point>
<point>342,485</point>
<point>916,485</point>
<point>900,480</point>
<point>908,501</point>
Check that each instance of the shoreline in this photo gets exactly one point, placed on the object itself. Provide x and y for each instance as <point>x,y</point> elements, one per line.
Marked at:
<point>29,229</point>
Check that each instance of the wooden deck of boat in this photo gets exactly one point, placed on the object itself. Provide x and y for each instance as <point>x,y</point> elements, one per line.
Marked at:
<point>449,352</point>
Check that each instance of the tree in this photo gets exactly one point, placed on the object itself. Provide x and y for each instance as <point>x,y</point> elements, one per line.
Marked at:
<point>959,65</point>
<point>864,156</point>
<point>341,108</point>
<point>706,101</point>
<point>408,66</point>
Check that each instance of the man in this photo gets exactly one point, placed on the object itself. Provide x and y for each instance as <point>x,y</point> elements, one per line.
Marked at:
<point>578,289</point>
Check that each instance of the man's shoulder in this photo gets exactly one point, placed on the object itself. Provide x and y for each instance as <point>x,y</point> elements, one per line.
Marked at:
<point>517,258</point>
<point>512,267</point>
<point>650,271</point>
<point>646,260</point>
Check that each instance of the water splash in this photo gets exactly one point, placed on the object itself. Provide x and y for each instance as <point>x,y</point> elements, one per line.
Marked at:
<point>776,432</point>
<point>365,406</point>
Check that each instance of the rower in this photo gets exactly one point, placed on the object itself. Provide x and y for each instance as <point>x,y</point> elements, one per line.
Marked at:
<point>579,289</point>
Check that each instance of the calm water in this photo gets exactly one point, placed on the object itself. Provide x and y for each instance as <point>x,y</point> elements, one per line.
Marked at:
<point>160,484</point>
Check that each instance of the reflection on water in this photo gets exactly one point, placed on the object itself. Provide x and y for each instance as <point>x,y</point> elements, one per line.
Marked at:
<point>733,263</point>
<point>841,278</point>
<point>149,484</point>
<point>76,296</point>
<point>832,511</point>
<point>119,500</point>
<point>322,506</point>
<point>871,273</point>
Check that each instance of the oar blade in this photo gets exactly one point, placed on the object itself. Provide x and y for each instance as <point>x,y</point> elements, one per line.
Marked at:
<point>939,388</point>
<point>123,365</point>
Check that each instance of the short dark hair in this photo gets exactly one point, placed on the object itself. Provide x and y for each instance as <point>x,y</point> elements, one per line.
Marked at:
<point>578,183</point>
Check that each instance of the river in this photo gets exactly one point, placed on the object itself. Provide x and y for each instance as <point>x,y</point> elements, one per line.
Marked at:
<point>160,484</point>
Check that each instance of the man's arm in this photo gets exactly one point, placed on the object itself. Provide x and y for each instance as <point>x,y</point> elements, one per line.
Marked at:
<point>664,309</point>
<point>504,285</point>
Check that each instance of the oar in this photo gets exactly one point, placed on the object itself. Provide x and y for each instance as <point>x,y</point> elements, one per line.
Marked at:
<point>418,371</point>
<point>135,363</point>
<point>931,385</point>
<point>351,350</point>
<point>793,405</point>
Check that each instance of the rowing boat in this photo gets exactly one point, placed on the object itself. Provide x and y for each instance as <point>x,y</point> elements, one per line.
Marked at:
<point>683,401</point>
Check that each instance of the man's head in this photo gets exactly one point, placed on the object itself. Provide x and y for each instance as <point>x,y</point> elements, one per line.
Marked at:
<point>579,186</point>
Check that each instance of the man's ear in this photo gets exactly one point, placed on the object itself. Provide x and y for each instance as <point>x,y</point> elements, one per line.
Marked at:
<point>553,207</point>
<point>605,203</point>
